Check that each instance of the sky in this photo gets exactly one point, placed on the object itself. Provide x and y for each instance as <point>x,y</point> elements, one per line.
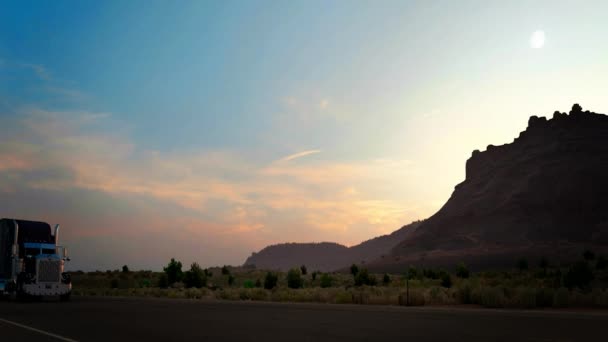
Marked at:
<point>207,130</point>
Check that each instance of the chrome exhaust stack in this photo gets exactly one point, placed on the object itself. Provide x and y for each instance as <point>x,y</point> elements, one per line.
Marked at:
<point>56,234</point>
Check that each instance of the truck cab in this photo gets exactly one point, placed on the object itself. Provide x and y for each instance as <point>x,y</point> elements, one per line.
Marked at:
<point>31,261</point>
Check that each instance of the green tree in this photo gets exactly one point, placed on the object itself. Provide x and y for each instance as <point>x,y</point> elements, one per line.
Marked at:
<point>364,278</point>
<point>125,269</point>
<point>294,279</point>
<point>271,280</point>
<point>248,284</point>
<point>314,275</point>
<point>386,279</point>
<point>173,271</point>
<point>446,280</point>
<point>543,263</point>
<point>412,272</point>
<point>522,264</point>
<point>195,277</point>
<point>462,271</point>
<point>579,275</point>
<point>602,263</point>
<point>258,283</point>
<point>588,255</point>
<point>163,281</point>
<point>326,280</point>
<point>225,270</point>
<point>354,270</point>
<point>230,280</point>
<point>303,269</point>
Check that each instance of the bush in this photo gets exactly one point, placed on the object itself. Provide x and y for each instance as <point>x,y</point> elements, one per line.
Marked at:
<point>412,298</point>
<point>561,299</point>
<point>195,277</point>
<point>364,278</point>
<point>544,297</point>
<point>522,264</point>
<point>354,270</point>
<point>230,280</point>
<point>294,279</point>
<point>462,271</point>
<point>173,271</point>
<point>326,280</point>
<point>125,269</point>
<point>248,284</point>
<point>386,279</point>
<point>588,255</point>
<point>258,283</point>
<point>225,270</point>
<point>270,281</point>
<point>314,275</point>
<point>491,297</point>
<point>446,280</point>
<point>114,283</point>
<point>163,281</point>
<point>411,273</point>
<point>579,275</point>
<point>525,298</point>
<point>303,269</point>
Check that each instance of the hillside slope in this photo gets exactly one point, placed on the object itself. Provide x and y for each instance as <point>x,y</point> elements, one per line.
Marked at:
<point>545,194</point>
<point>327,256</point>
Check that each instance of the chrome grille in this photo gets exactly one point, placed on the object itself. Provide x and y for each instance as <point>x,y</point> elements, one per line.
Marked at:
<point>49,270</point>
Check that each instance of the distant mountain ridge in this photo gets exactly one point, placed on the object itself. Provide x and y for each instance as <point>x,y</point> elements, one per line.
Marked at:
<point>327,256</point>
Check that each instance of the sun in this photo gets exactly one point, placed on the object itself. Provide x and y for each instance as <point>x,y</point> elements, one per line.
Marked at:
<point>537,40</point>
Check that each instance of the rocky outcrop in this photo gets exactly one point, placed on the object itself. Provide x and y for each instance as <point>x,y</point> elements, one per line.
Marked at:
<point>546,193</point>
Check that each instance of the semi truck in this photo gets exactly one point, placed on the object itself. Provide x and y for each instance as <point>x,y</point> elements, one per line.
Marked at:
<point>31,261</point>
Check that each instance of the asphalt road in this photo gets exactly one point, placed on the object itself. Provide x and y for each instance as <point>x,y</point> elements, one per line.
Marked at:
<point>117,319</point>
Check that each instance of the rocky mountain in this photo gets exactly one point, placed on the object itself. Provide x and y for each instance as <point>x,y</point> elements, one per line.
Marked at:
<point>544,194</point>
<point>327,256</point>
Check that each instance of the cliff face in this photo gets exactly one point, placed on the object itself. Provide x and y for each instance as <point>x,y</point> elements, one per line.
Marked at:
<point>545,193</point>
<point>327,256</point>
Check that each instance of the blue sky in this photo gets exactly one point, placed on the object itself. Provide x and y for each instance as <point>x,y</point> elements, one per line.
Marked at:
<point>241,124</point>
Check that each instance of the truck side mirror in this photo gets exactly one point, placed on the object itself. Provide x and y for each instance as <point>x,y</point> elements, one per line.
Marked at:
<point>65,252</point>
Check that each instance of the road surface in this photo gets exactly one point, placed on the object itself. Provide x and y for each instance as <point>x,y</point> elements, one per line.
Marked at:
<point>128,319</point>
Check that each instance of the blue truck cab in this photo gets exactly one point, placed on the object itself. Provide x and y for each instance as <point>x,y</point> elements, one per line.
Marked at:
<point>31,261</point>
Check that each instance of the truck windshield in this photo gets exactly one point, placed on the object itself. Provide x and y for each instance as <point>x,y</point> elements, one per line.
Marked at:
<point>32,251</point>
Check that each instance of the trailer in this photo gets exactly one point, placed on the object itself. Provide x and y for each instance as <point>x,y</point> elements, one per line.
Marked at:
<point>31,261</point>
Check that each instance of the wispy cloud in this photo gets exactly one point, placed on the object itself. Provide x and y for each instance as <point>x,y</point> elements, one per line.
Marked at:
<point>299,155</point>
<point>38,69</point>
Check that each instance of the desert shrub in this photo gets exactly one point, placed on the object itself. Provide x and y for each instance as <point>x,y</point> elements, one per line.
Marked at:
<point>437,295</point>
<point>386,279</point>
<point>588,255</point>
<point>364,278</point>
<point>415,297</point>
<point>314,275</point>
<point>343,297</point>
<point>522,264</point>
<point>270,281</point>
<point>163,281</point>
<point>193,293</point>
<point>125,269</point>
<point>600,298</point>
<point>491,297</point>
<point>354,270</point>
<point>230,280</point>
<point>173,271</point>
<point>463,293</point>
<point>412,273</point>
<point>579,275</point>
<point>326,280</point>
<point>601,263</point>
<point>561,298</point>
<point>178,285</point>
<point>195,277</point>
<point>225,270</point>
<point>544,297</point>
<point>258,283</point>
<point>248,284</point>
<point>462,271</point>
<point>294,279</point>
<point>524,297</point>
<point>114,283</point>
<point>446,280</point>
<point>303,269</point>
